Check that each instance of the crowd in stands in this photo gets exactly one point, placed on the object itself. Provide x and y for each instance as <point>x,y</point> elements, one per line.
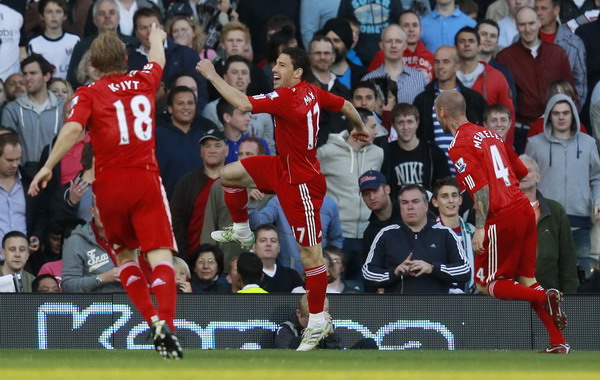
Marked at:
<point>394,219</point>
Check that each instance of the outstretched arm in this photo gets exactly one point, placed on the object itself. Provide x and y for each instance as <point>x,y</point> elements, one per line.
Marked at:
<point>352,114</point>
<point>234,96</point>
<point>482,207</point>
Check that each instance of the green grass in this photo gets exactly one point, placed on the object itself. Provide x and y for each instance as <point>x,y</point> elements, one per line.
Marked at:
<point>287,365</point>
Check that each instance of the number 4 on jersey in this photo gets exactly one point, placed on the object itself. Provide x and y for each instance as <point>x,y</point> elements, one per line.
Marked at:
<point>499,168</point>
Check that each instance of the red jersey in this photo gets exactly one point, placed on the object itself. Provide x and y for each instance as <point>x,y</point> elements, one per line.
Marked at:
<point>480,159</point>
<point>119,113</point>
<point>296,111</point>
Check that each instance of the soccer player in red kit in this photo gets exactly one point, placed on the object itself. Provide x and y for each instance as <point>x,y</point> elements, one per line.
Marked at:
<point>118,110</point>
<point>294,174</point>
<point>505,238</point>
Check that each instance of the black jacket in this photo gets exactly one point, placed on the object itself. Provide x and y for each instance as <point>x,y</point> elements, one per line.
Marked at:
<point>434,244</point>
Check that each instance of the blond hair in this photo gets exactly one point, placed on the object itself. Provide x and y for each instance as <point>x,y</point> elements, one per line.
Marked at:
<point>108,54</point>
<point>234,25</point>
<point>199,36</point>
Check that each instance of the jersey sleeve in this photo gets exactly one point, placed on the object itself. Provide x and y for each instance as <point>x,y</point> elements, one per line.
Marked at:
<point>329,101</point>
<point>518,167</point>
<point>272,103</point>
<point>81,106</point>
<point>151,73</point>
<point>468,167</point>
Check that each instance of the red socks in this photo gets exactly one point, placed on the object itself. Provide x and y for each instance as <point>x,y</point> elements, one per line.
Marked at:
<point>316,288</point>
<point>556,336</point>
<point>134,283</point>
<point>165,291</point>
<point>512,290</point>
<point>236,199</point>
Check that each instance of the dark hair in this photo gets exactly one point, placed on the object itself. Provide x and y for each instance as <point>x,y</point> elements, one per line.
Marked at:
<point>365,84</point>
<point>496,108</point>
<point>265,227</point>
<point>233,59</point>
<point>44,3</point>
<point>333,250</point>
<point>279,40</point>
<point>364,114</point>
<point>447,181</point>
<point>7,131</point>
<point>279,22</point>
<point>467,29</point>
<point>468,6</point>
<point>319,38</point>
<point>414,186</point>
<point>223,106</point>
<point>179,90</point>
<point>300,60</point>
<point>35,284</point>
<point>409,11</point>
<point>178,74</point>
<point>250,268</point>
<point>404,109</point>
<point>488,22</point>
<point>45,66</point>
<point>261,147</point>
<point>8,139</point>
<point>13,234</point>
<point>219,256</point>
<point>146,12</point>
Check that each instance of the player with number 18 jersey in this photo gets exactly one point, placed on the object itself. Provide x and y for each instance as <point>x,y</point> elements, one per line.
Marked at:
<point>480,158</point>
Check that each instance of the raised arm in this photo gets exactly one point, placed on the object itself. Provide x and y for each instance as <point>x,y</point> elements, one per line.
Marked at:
<point>157,49</point>
<point>234,96</point>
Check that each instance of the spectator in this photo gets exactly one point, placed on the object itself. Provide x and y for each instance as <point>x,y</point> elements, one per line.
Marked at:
<point>441,25</point>
<point>375,193</point>
<point>342,184</point>
<point>207,276</point>
<point>508,25</point>
<point>405,82</point>
<point>187,31</point>
<point>278,278</point>
<point>497,118</point>
<point>365,95</point>
<point>481,76</point>
<point>14,86</point>
<point>105,17</point>
<point>45,283</point>
<point>54,44</point>
<point>237,74</point>
<point>339,32</point>
<point>188,79</point>
<point>569,167</point>
<point>177,141</point>
<point>235,128</point>
<point>535,64</point>
<point>373,16</point>
<point>250,273</point>
<point>445,66</point>
<point>556,266</point>
<point>61,88</point>
<point>18,210</point>
<point>447,199</point>
<point>416,256</point>
<point>15,249</point>
<point>178,57</point>
<point>497,10</point>
<point>488,32</point>
<point>587,13</point>
<point>336,269</point>
<point>412,160</point>
<point>469,7</point>
<point>12,25</point>
<point>355,26</point>
<point>233,278</point>
<point>182,275</point>
<point>313,15</point>
<point>127,10</point>
<point>89,261</point>
<point>188,202</point>
<point>35,115</point>
<point>552,31</point>
<point>216,215</point>
<point>589,35</point>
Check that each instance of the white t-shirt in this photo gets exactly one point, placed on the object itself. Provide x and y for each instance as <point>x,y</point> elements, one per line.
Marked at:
<point>126,23</point>
<point>58,52</point>
<point>11,22</point>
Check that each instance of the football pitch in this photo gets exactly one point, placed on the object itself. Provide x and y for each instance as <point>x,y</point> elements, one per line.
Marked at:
<point>287,365</point>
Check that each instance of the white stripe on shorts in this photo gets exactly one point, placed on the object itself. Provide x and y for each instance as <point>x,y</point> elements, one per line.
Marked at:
<point>309,213</point>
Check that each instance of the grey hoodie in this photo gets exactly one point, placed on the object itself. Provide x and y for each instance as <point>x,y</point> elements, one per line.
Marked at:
<point>36,130</point>
<point>83,260</point>
<point>342,166</point>
<point>570,169</point>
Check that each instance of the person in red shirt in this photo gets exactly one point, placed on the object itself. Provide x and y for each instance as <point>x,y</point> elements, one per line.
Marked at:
<point>294,175</point>
<point>119,113</point>
<point>505,238</point>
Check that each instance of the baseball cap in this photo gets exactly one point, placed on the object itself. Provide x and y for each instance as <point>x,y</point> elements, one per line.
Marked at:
<point>212,134</point>
<point>371,180</point>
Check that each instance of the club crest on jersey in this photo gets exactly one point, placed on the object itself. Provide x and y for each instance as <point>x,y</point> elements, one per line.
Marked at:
<point>460,165</point>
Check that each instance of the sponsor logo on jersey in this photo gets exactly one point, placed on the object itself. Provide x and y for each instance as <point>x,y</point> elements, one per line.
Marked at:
<point>272,95</point>
<point>460,165</point>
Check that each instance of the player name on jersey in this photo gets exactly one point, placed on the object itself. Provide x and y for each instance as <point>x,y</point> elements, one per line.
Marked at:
<point>485,134</point>
<point>124,85</point>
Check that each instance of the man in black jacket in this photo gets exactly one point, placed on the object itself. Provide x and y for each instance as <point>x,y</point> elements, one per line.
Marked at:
<point>416,255</point>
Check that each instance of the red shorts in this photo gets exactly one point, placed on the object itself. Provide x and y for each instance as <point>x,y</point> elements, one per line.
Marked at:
<point>510,246</point>
<point>134,209</point>
<point>301,203</point>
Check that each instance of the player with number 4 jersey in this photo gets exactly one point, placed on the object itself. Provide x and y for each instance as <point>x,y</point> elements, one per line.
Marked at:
<point>505,238</point>
<point>118,110</point>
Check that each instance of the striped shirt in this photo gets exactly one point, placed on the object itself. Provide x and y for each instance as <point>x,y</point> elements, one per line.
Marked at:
<point>411,82</point>
<point>442,139</point>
